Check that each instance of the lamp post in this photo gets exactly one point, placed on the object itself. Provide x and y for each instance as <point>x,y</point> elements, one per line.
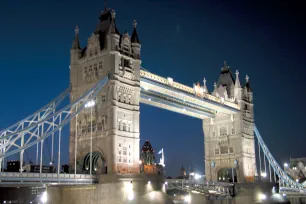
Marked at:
<point>286,165</point>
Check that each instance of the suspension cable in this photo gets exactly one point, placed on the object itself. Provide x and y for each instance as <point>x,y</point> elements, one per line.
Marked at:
<point>259,161</point>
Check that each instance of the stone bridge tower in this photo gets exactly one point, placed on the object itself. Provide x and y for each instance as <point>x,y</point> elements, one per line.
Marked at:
<point>229,139</point>
<point>115,114</point>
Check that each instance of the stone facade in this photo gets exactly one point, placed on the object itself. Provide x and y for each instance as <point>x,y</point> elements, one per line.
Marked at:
<point>113,122</point>
<point>229,139</point>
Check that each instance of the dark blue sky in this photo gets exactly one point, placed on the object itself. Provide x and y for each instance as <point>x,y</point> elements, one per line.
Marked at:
<point>186,40</point>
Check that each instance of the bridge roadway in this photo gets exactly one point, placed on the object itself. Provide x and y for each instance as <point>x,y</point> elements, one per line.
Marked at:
<point>30,179</point>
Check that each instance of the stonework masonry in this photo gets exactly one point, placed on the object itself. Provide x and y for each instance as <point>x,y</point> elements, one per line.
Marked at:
<point>113,122</point>
<point>229,139</point>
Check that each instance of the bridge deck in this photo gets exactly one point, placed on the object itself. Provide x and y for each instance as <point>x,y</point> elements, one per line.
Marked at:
<point>8,178</point>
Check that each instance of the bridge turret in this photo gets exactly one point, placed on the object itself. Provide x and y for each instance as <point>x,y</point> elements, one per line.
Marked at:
<point>113,35</point>
<point>226,82</point>
<point>115,115</point>
<point>229,139</point>
<point>135,42</point>
<point>75,48</point>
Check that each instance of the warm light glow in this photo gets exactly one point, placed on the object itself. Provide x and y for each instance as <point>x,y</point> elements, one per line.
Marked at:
<point>262,196</point>
<point>187,198</point>
<point>286,165</point>
<point>149,182</point>
<point>264,174</point>
<point>191,173</point>
<point>146,88</point>
<point>297,180</point>
<point>166,183</point>
<point>128,186</point>
<point>149,99</point>
<point>197,176</point>
<point>44,197</point>
<point>139,162</point>
<point>152,195</point>
<point>50,163</point>
<point>90,104</point>
<point>131,196</point>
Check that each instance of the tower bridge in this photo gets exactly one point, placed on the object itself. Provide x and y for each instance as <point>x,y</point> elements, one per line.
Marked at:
<point>107,86</point>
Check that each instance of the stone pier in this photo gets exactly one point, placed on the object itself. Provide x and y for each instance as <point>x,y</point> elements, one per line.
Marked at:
<point>113,189</point>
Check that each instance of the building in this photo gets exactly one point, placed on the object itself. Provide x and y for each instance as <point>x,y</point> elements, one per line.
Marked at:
<point>36,168</point>
<point>113,120</point>
<point>147,158</point>
<point>183,172</point>
<point>13,166</point>
<point>229,139</point>
<point>297,169</point>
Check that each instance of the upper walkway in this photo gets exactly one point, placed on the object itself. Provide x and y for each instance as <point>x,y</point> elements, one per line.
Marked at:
<point>168,94</point>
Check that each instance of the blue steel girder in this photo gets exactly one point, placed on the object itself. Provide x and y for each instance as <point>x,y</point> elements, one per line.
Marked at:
<point>177,105</point>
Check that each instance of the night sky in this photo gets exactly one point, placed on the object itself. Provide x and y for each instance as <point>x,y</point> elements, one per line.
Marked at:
<point>185,40</point>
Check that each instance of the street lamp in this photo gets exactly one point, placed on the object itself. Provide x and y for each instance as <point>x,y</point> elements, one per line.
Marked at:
<point>90,104</point>
<point>286,165</point>
<point>197,176</point>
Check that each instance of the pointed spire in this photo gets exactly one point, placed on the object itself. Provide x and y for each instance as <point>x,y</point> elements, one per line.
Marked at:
<point>247,79</point>
<point>134,37</point>
<point>76,43</point>
<point>204,86</point>
<point>112,28</point>
<point>237,82</point>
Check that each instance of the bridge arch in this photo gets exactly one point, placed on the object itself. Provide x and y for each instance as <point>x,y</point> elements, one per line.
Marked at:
<point>96,158</point>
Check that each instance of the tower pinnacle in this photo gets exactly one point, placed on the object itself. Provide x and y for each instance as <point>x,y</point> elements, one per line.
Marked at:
<point>237,83</point>
<point>247,78</point>
<point>76,43</point>
<point>76,30</point>
<point>204,86</point>
<point>134,23</point>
